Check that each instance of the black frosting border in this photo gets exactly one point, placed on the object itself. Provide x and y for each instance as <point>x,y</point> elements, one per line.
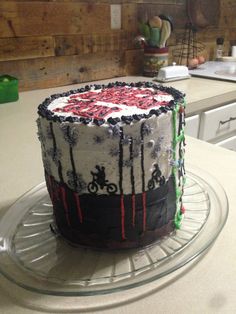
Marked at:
<point>178,96</point>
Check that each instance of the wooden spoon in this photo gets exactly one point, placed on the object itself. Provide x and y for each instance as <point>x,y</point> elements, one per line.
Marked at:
<point>155,22</point>
<point>165,33</point>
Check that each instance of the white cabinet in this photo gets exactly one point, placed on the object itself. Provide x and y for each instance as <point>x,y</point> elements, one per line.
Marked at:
<point>229,143</point>
<point>218,122</point>
<point>192,126</point>
<point>217,126</point>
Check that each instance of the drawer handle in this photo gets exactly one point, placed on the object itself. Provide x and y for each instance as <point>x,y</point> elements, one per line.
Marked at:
<point>230,119</point>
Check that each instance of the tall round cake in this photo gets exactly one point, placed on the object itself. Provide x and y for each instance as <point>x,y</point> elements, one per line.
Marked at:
<point>114,162</point>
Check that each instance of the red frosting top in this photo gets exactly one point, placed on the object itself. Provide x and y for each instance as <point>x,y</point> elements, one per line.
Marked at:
<point>100,104</point>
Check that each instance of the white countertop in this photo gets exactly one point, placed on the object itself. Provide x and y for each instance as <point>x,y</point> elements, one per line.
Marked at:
<point>208,286</point>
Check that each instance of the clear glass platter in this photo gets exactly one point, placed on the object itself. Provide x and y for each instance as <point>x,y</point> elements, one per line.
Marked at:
<point>35,258</point>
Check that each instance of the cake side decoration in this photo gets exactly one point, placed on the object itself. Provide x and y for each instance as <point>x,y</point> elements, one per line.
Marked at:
<point>99,181</point>
<point>114,162</point>
<point>178,167</point>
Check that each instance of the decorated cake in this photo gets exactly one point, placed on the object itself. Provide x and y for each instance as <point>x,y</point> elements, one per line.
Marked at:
<point>113,157</point>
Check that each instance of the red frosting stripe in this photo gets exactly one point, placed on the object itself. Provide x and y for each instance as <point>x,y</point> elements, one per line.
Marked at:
<point>79,211</point>
<point>63,194</point>
<point>122,205</point>
<point>133,209</point>
<point>87,104</point>
<point>144,210</point>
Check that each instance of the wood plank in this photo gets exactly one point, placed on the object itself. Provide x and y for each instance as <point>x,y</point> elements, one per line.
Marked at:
<point>227,3</point>
<point>129,18</point>
<point>112,1</point>
<point>26,47</point>
<point>210,34</point>
<point>58,71</point>
<point>91,43</point>
<point>133,62</point>
<point>227,14</point>
<point>19,19</point>
<point>177,11</point>
<point>227,18</point>
<point>232,36</point>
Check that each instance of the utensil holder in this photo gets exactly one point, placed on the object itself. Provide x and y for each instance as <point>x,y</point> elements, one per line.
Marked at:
<point>154,59</point>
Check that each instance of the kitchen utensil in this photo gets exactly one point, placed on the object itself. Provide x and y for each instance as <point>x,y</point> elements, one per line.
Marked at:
<point>165,33</point>
<point>155,22</point>
<point>145,30</point>
<point>167,18</point>
<point>154,58</point>
<point>154,37</point>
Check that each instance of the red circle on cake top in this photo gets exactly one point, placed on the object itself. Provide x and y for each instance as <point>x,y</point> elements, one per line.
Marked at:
<point>99,104</point>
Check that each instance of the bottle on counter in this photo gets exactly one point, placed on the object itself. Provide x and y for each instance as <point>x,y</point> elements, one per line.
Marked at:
<point>219,47</point>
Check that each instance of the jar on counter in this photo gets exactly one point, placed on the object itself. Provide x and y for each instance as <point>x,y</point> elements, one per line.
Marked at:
<point>219,47</point>
<point>154,59</point>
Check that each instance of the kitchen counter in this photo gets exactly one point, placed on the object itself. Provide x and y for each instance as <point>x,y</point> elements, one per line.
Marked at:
<point>204,94</point>
<point>208,286</point>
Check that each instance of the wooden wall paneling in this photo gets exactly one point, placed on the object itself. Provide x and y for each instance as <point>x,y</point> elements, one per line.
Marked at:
<point>208,37</point>
<point>99,1</point>
<point>91,43</point>
<point>177,12</point>
<point>15,48</point>
<point>57,42</point>
<point>232,35</point>
<point>210,34</point>
<point>227,14</point>
<point>160,2</point>
<point>228,18</point>
<point>57,71</point>
<point>227,3</point>
<point>52,18</point>
<point>129,18</point>
<point>133,62</point>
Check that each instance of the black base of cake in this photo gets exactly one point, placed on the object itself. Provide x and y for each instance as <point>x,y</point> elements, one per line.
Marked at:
<point>113,221</point>
<point>94,241</point>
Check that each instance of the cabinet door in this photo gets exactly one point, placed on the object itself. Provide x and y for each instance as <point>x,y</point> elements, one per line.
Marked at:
<point>192,126</point>
<point>218,122</point>
<point>229,143</point>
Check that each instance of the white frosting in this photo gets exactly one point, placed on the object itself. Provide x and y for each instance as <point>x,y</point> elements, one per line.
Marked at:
<point>101,146</point>
<point>87,153</point>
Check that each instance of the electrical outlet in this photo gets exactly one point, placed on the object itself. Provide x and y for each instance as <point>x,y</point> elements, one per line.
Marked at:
<point>115,16</point>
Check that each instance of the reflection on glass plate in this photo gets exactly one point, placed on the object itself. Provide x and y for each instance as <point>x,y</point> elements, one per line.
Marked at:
<point>35,258</point>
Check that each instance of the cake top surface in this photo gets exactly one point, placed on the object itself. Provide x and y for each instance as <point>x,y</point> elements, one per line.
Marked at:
<point>110,103</point>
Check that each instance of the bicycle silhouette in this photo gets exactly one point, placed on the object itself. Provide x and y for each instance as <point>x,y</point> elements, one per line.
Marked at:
<point>157,178</point>
<point>100,181</point>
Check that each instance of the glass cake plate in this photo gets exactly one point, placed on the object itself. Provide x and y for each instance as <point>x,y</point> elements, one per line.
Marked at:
<point>39,260</point>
